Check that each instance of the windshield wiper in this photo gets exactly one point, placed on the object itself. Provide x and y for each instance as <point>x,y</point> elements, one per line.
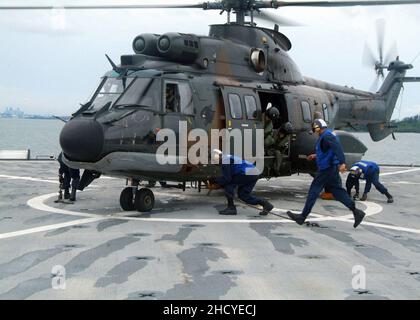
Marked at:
<point>130,105</point>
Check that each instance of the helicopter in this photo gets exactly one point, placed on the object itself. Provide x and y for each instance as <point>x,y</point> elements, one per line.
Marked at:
<point>225,81</point>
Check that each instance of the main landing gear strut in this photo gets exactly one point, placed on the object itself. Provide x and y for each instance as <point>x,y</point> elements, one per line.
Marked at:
<point>132,198</point>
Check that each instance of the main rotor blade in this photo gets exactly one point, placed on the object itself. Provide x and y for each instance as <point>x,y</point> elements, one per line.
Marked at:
<point>222,5</point>
<point>268,17</point>
<point>374,86</point>
<point>81,7</point>
<point>368,57</point>
<point>277,4</point>
<point>392,54</point>
<point>380,34</point>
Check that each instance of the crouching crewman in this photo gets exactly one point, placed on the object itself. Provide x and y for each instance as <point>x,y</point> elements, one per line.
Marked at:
<point>242,174</point>
<point>369,171</point>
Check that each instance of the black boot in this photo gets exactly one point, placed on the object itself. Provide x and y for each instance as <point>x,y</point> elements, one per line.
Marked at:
<point>358,217</point>
<point>66,194</point>
<point>390,198</point>
<point>267,207</point>
<point>298,218</point>
<point>73,194</point>
<point>229,211</point>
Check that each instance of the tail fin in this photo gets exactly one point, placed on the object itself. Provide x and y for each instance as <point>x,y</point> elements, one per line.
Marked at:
<point>389,92</point>
<point>391,88</point>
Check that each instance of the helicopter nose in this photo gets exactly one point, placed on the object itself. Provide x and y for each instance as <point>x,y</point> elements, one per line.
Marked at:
<point>82,140</point>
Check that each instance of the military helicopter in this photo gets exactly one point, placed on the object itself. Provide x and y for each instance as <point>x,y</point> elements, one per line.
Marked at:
<point>226,80</point>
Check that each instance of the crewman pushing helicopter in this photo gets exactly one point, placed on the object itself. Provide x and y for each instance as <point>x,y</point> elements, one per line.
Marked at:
<point>242,174</point>
<point>369,171</point>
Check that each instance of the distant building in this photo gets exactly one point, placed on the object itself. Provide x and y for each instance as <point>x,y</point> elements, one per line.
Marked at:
<point>12,113</point>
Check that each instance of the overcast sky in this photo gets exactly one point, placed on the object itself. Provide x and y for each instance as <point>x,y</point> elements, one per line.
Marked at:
<point>51,61</point>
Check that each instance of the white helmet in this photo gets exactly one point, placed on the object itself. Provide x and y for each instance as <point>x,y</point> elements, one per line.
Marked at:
<point>319,124</point>
<point>355,171</point>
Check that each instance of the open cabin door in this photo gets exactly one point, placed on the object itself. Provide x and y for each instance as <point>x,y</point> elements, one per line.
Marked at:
<point>243,119</point>
<point>277,154</point>
<point>178,112</point>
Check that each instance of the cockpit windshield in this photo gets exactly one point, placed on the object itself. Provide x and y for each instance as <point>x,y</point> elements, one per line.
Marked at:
<point>143,92</point>
<point>110,90</point>
<point>126,92</point>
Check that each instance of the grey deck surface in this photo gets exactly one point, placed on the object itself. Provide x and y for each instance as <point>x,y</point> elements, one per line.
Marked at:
<point>184,250</point>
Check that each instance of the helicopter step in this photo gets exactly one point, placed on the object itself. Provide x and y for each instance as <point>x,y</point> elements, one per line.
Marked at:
<point>142,200</point>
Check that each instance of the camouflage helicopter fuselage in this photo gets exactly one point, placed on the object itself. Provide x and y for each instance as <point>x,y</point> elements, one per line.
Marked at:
<point>116,135</point>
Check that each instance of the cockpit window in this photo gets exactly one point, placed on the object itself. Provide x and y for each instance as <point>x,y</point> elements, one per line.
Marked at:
<point>185,93</point>
<point>172,98</point>
<point>143,92</point>
<point>110,90</point>
<point>178,98</point>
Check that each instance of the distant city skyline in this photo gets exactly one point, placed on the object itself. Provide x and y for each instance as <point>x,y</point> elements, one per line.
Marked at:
<point>16,112</point>
<point>53,60</point>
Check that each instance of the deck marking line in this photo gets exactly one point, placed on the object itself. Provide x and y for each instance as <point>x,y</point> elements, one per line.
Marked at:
<point>38,204</point>
<point>3,176</point>
<point>49,227</point>
<point>399,172</point>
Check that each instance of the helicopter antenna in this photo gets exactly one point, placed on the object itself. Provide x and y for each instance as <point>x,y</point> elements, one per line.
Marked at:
<point>114,66</point>
<point>121,71</point>
<point>418,55</point>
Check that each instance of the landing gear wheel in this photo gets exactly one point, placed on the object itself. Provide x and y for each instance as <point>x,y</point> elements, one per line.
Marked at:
<point>126,199</point>
<point>145,200</point>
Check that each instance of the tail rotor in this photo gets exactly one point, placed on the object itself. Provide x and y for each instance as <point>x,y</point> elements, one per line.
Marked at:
<point>381,61</point>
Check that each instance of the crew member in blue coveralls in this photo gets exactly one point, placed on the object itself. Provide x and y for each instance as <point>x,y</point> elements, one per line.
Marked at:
<point>242,174</point>
<point>330,161</point>
<point>368,171</point>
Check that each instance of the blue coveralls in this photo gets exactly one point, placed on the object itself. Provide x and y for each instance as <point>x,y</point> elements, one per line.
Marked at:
<point>69,174</point>
<point>234,175</point>
<point>370,173</point>
<point>329,154</point>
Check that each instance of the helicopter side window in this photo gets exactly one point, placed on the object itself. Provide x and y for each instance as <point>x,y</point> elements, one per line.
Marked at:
<point>306,111</point>
<point>186,96</point>
<point>179,98</point>
<point>172,99</point>
<point>325,111</point>
<point>235,106</point>
<point>250,107</point>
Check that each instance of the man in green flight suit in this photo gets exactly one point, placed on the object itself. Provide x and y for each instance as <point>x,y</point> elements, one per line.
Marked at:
<point>275,140</point>
<point>271,143</point>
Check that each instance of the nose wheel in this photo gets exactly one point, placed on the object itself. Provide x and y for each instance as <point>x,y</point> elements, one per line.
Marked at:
<point>127,199</point>
<point>145,200</point>
<point>142,200</point>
